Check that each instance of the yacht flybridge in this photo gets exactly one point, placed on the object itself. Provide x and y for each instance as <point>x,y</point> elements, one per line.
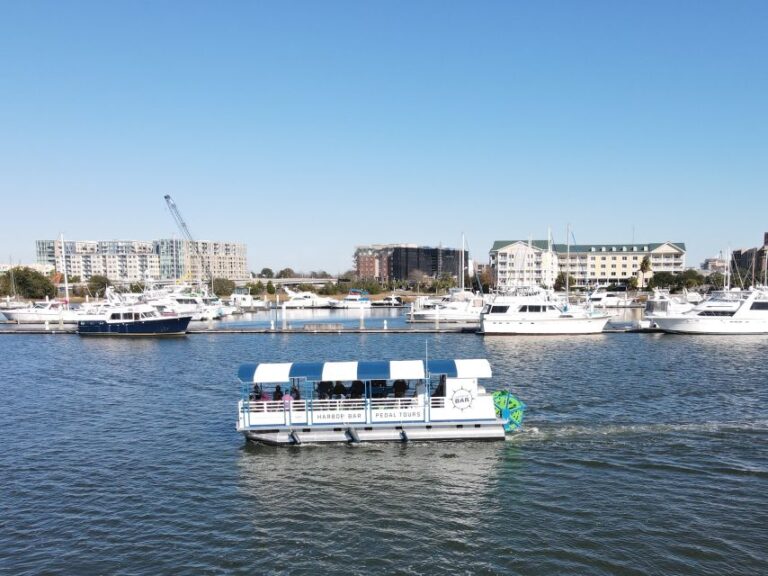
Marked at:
<point>398,400</point>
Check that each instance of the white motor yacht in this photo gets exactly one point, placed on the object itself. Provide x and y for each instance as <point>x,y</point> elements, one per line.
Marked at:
<point>727,312</point>
<point>457,306</point>
<point>661,304</point>
<point>180,301</point>
<point>602,298</point>
<point>42,312</point>
<point>537,313</point>
<point>356,299</point>
<point>247,303</point>
<point>305,300</point>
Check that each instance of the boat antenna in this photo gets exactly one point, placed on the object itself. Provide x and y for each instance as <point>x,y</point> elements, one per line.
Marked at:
<point>426,357</point>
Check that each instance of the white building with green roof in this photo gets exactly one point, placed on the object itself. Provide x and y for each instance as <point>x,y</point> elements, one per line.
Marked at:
<point>526,262</point>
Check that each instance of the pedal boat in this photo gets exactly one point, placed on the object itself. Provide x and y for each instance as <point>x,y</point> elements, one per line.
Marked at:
<point>354,402</point>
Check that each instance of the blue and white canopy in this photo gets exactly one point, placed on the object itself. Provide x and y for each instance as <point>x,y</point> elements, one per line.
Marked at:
<point>275,373</point>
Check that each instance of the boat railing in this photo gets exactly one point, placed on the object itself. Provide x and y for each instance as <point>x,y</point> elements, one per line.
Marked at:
<point>394,403</point>
<point>338,404</point>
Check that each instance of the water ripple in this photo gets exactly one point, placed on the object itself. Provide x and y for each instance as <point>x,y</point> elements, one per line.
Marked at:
<point>640,455</point>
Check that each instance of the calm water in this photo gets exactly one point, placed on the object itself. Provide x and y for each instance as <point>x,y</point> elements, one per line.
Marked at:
<point>642,454</point>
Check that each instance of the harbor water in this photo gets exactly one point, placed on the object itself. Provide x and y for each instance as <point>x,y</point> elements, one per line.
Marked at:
<point>640,454</point>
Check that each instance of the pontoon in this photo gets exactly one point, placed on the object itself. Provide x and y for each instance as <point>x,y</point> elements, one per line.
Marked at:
<point>398,400</point>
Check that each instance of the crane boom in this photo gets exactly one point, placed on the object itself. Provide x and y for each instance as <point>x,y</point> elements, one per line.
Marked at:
<point>184,229</point>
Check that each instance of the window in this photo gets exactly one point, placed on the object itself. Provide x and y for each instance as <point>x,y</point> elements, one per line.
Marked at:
<point>499,309</point>
<point>759,306</point>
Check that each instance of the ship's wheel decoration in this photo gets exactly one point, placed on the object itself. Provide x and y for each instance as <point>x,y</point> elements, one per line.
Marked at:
<point>462,399</point>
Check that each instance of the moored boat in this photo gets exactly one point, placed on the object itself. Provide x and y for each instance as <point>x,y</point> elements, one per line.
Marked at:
<point>356,299</point>
<point>603,298</point>
<point>725,312</point>
<point>134,320</point>
<point>456,306</point>
<point>535,313</point>
<point>353,402</point>
<point>41,312</point>
<point>305,299</point>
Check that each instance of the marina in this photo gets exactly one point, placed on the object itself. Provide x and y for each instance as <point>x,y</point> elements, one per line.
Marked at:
<point>243,331</point>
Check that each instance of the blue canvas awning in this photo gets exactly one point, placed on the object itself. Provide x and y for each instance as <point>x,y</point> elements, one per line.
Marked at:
<point>348,371</point>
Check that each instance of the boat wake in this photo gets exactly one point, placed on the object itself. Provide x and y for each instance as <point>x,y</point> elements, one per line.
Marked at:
<point>547,432</point>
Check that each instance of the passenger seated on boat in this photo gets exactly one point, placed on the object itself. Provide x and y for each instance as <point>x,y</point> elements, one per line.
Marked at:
<point>440,390</point>
<point>357,389</point>
<point>295,392</point>
<point>255,393</point>
<point>278,394</point>
<point>324,390</point>
<point>339,391</point>
<point>399,388</point>
<point>378,388</point>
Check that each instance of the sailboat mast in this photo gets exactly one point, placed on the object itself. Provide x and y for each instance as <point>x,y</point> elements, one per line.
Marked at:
<point>461,265</point>
<point>567,259</point>
<point>64,269</point>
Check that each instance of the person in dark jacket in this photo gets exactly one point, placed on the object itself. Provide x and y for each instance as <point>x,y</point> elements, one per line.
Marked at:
<point>357,389</point>
<point>339,391</point>
<point>278,395</point>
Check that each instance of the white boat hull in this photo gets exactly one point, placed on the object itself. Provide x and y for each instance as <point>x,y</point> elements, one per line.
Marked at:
<point>711,325</point>
<point>445,316</point>
<point>388,433</point>
<point>352,305</point>
<point>37,316</point>
<point>563,325</point>
<point>296,305</point>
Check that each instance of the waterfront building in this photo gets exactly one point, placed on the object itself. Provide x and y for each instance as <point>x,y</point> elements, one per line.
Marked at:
<point>178,259</point>
<point>139,260</point>
<point>521,262</point>
<point>372,262</point>
<point>712,265</point>
<point>752,262</point>
<point>118,260</point>
<point>398,262</point>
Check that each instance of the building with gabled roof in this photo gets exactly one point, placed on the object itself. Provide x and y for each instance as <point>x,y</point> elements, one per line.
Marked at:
<point>521,262</point>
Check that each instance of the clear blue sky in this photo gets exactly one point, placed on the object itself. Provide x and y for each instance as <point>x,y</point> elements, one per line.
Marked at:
<point>306,128</point>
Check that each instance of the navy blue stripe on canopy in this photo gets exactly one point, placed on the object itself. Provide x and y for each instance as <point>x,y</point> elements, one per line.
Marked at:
<point>310,370</point>
<point>447,367</point>
<point>373,370</point>
<point>245,372</point>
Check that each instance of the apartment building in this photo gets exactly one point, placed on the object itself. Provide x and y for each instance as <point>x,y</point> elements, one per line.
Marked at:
<point>751,262</point>
<point>138,260</point>
<point>385,262</point>
<point>521,262</point>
